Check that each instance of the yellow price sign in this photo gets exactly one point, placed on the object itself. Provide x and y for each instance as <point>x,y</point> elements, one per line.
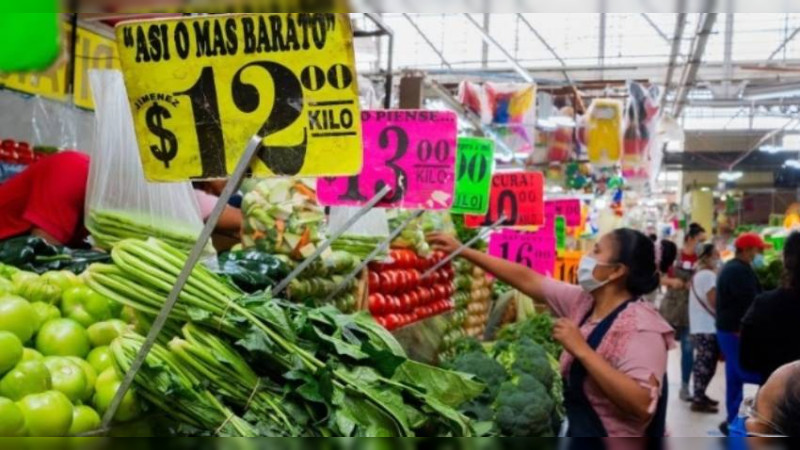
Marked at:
<point>201,87</point>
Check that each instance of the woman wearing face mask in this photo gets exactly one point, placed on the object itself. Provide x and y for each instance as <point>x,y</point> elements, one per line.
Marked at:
<point>702,319</point>
<point>615,344</point>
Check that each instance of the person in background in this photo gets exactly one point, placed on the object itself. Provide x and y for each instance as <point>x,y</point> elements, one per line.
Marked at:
<point>675,307</point>
<point>666,253</point>
<point>775,412</point>
<point>771,328</point>
<point>615,344</point>
<point>229,228</point>
<point>702,319</point>
<point>737,288</point>
<point>47,200</point>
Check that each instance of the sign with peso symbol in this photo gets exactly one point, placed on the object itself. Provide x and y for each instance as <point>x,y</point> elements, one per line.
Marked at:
<point>474,169</point>
<point>200,88</point>
<point>411,151</point>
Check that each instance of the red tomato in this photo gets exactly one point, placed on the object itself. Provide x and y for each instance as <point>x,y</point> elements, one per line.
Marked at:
<point>391,322</point>
<point>415,300</point>
<point>406,303</point>
<point>374,282</point>
<point>451,290</point>
<point>386,283</point>
<point>414,275</point>
<point>402,281</point>
<point>376,304</point>
<point>381,321</point>
<point>441,292</point>
<point>449,272</point>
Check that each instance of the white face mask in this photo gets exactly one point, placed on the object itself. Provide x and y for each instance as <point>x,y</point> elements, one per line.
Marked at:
<point>586,274</point>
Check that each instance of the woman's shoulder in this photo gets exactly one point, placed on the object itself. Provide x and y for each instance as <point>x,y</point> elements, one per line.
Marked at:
<point>649,320</point>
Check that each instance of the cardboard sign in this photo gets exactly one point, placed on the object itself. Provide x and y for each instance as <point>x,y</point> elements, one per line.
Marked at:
<point>570,209</point>
<point>413,152</point>
<point>519,196</point>
<point>201,87</point>
<point>474,167</point>
<point>534,250</point>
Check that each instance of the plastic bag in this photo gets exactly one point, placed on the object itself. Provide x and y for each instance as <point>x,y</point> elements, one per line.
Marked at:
<point>120,203</point>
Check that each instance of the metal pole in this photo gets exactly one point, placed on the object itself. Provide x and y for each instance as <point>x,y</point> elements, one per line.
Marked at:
<point>371,257</point>
<point>327,243</point>
<point>523,73</point>
<point>464,247</point>
<point>197,251</point>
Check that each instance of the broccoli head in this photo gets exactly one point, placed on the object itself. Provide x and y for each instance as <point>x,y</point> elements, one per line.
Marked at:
<point>485,368</point>
<point>526,357</point>
<point>523,408</point>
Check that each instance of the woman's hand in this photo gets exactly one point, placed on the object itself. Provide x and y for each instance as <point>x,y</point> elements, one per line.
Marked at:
<point>443,242</point>
<point>570,337</point>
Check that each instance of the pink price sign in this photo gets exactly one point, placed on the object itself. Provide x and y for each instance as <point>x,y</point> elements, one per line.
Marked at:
<point>534,250</point>
<point>570,209</point>
<point>413,152</point>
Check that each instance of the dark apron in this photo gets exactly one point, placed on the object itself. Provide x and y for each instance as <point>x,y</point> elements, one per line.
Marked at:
<point>583,420</point>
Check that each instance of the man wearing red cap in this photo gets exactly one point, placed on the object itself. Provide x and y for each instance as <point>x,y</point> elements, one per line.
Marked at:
<point>737,288</point>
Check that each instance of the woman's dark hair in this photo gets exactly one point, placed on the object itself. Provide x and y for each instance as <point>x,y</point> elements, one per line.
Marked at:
<point>787,412</point>
<point>637,252</point>
<point>695,230</point>
<point>791,261</point>
<point>669,253</point>
<point>706,252</point>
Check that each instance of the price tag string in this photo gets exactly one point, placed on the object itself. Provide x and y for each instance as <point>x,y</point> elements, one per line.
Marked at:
<point>371,257</point>
<point>333,237</point>
<point>465,246</point>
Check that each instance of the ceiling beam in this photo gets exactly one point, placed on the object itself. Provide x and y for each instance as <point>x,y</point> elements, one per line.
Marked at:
<point>428,41</point>
<point>677,39</point>
<point>783,45</point>
<point>655,27</point>
<point>689,78</point>
<point>487,37</point>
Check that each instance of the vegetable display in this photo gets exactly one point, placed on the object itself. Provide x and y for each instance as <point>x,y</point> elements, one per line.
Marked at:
<point>282,217</point>
<point>109,227</point>
<point>48,325</point>
<point>348,373</point>
<point>524,394</point>
<point>474,295</point>
<point>399,296</point>
<point>35,255</point>
<point>413,236</point>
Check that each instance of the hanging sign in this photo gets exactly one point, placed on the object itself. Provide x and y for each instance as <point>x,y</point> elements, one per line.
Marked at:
<point>519,196</point>
<point>201,87</point>
<point>411,151</point>
<point>536,251</point>
<point>569,209</point>
<point>473,175</point>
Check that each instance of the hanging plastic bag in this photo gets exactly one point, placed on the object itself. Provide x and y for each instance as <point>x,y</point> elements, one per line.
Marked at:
<point>640,123</point>
<point>120,203</point>
<point>604,132</point>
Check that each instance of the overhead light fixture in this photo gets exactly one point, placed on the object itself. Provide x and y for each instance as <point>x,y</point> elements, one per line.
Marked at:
<point>792,164</point>
<point>730,177</point>
<point>772,92</point>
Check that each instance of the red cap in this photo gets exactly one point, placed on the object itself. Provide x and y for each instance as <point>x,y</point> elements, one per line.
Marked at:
<point>750,240</point>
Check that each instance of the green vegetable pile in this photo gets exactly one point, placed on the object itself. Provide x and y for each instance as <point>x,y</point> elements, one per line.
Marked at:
<point>283,218</point>
<point>524,397</point>
<point>322,278</point>
<point>771,275</point>
<point>347,375</point>
<point>412,237</point>
<point>35,255</point>
<point>109,227</point>
<point>252,270</point>
<point>359,246</point>
<point>56,374</point>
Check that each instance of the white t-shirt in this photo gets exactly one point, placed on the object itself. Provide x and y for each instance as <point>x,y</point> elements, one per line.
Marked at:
<point>701,321</point>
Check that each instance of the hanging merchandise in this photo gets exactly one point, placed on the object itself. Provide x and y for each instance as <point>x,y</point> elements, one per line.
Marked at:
<point>561,143</point>
<point>604,132</point>
<point>640,122</point>
<point>509,109</point>
<point>120,203</point>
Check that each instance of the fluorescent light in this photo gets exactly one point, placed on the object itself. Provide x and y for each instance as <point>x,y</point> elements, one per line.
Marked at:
<point>773,149</point>
<point>772,92</point>
<point>730,177</point>
<point>706,189</point>
<point>792,164</point>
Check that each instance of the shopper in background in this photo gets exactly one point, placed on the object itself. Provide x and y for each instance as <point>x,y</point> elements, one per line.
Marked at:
<point>775,412</point>
<point>47,200</point>
<point>771,328</point>
<point>615,344</point>
<point>737,288</point>
<point>675,307</point>
<point>229,227</point>
<point>666,253</point>
<point>702,319</point>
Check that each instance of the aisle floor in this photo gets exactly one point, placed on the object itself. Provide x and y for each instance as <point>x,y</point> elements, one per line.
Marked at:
<point>682,422</point>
